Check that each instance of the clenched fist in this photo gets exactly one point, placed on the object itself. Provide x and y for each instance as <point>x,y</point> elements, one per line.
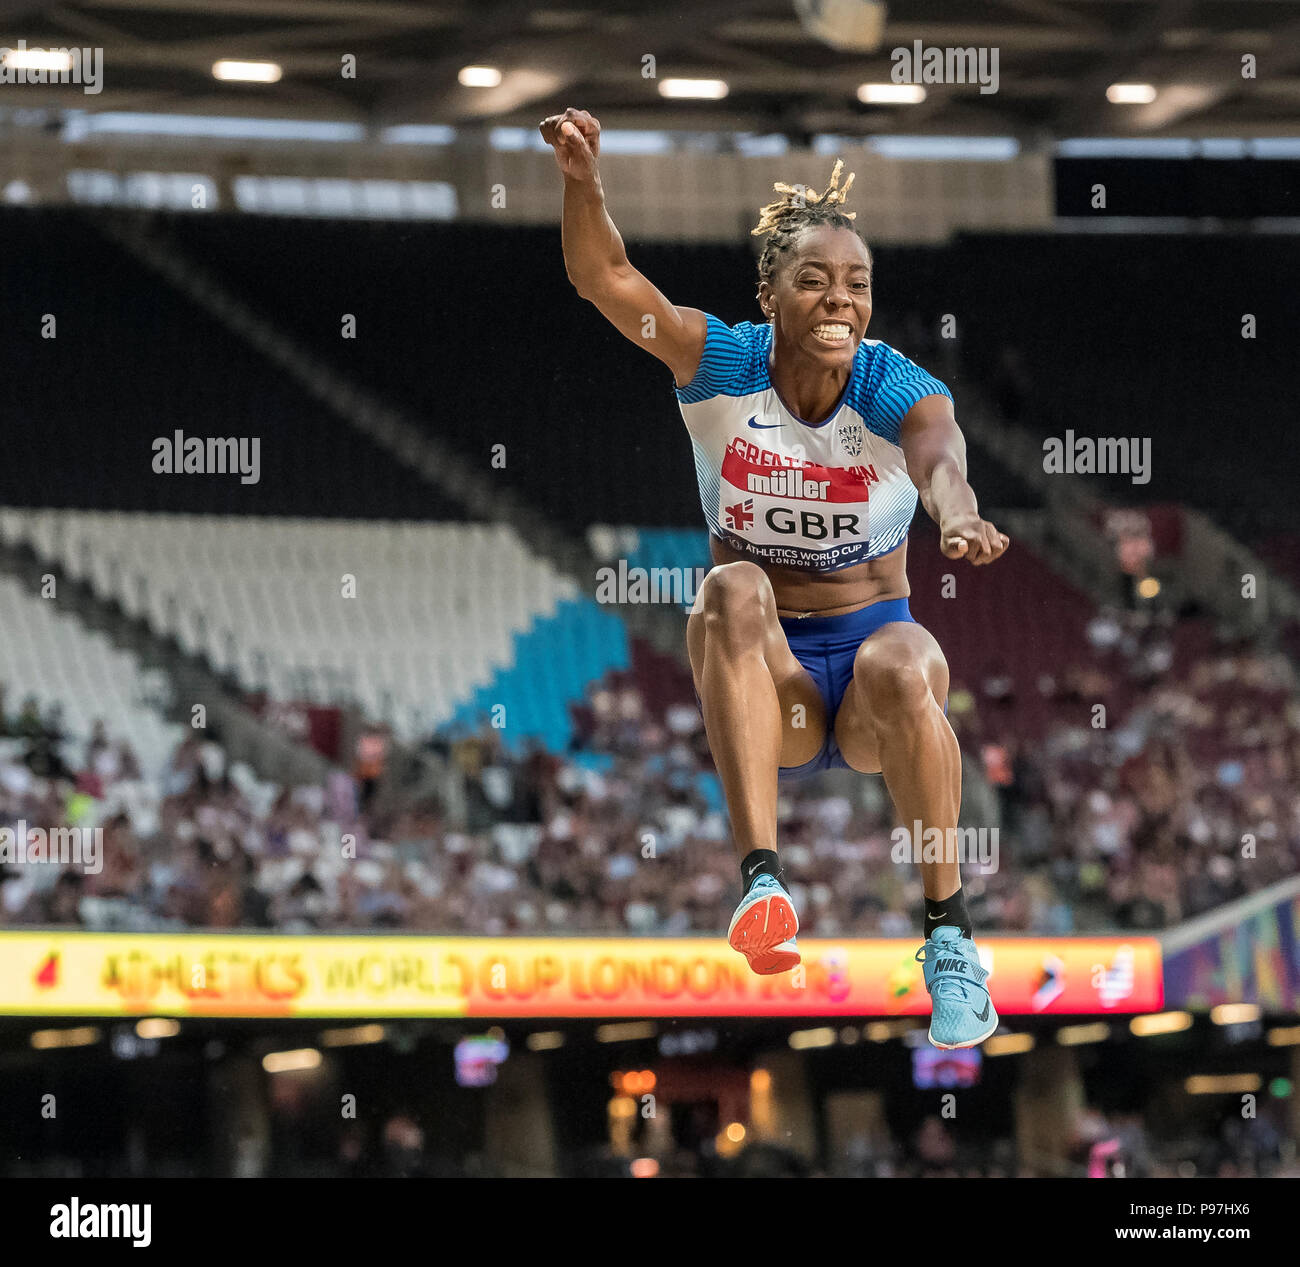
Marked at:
<point>971,538</point>
<point>575,136</point>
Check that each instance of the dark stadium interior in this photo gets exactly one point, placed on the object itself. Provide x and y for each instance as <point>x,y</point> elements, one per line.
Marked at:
<point>1117,353</point>
<point>130,361</point>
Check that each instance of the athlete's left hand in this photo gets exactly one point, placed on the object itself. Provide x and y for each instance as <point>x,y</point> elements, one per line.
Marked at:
<point>971,538</point>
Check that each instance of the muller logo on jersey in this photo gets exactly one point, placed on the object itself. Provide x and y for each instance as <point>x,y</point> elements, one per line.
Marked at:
<point>789,483</point>
<point>741,515</point>
<point>749,469</point>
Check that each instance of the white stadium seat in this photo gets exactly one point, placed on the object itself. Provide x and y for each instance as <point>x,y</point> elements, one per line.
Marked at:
<point>263,599</point>
<point>46,652</point>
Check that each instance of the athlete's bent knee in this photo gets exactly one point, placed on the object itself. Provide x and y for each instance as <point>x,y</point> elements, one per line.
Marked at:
<point>735,600</point>
<point>894,679</point>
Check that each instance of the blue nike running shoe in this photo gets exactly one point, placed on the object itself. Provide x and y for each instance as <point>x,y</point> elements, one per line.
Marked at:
<point>963,1014</point>
<point>763,928</point>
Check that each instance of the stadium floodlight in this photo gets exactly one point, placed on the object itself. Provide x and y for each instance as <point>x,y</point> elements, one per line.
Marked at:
<point>1222,1084</point>
<point>891,94</point>
<point>58,60</point>
<point>702,89</point>
<point>1131,94</point>
<point>1078,1035</point>
<point>479,76</point>
<point>81,1036</point>
<point>803,1039</point>
<point>1235,1013</point>
<point>353,1036</point>
<point>1009,1044</point>
<point>1160,1023</point>
<point>625,1032</point>
<point>247,72</point>
<point>291,1061</point>
<point>545,1040</point>
<point>157,1027</point>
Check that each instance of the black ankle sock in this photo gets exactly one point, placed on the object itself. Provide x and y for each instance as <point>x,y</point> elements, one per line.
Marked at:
<point>759,862</point>
<point>949,910</point>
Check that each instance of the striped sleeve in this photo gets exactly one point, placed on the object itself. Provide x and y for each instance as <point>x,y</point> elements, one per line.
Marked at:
<point>901,383</point>
<point>723,363</point>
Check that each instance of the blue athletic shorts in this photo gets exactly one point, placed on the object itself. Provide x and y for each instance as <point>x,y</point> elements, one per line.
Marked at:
<point>826,647</point>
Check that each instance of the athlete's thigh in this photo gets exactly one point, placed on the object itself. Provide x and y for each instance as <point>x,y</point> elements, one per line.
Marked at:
<point>803,714</point>
<point>900,645</point>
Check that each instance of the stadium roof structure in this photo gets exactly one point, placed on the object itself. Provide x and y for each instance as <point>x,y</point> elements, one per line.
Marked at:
<point>1056,60</point>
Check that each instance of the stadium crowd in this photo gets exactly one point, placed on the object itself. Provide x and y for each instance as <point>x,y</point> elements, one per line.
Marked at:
<point>1104,1146</point>
<point>1184,798</point>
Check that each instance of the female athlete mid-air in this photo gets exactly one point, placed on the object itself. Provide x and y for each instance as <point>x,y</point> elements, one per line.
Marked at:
<point>811,445</point>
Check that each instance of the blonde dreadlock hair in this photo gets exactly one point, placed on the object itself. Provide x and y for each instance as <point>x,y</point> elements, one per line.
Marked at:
<point>797,209</point>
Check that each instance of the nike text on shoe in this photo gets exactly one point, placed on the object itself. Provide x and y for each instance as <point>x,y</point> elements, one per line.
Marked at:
<point>963,1015</point>
<point>763,928</point>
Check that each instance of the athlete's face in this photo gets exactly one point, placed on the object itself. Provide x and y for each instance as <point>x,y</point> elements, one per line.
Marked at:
<point>820,297</point>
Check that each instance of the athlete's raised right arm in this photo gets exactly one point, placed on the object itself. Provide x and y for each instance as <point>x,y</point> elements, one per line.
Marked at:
<point>597,263</point>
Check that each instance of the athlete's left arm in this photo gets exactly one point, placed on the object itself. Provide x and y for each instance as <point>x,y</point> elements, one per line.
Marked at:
<point>935,451</point>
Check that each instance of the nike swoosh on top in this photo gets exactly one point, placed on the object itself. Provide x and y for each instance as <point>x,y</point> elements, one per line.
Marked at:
<point>763,426</point>
<point>984,1015</point>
